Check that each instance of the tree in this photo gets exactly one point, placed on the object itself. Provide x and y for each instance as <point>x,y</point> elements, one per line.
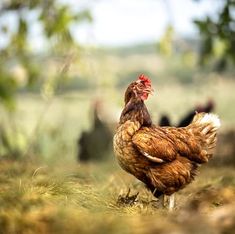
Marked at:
<point>218,36</point>
<point>55,20</point>
<point>20,66</point>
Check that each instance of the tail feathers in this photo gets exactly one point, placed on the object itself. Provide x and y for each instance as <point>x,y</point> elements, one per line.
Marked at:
<point>208,125</point>
<point>207,118</point>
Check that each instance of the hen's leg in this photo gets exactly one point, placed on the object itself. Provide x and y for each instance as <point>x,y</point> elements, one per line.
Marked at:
<point>162,201</point>
<point>171,202</point>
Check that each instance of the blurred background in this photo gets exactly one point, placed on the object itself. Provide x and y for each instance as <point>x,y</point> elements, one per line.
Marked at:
<point>64,67</point>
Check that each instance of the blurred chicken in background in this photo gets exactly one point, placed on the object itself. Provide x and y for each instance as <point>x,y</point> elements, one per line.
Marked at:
<point>96,143</point>
<point>188,117</point>
<point>165,120</point>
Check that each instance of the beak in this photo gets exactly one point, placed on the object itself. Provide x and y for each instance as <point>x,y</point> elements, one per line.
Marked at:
<point>149,90</point>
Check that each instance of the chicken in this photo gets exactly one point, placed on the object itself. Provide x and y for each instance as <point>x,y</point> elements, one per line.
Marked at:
<point>99,136</point>
<point>165,159</point>
<point>188,117</point>
<point>164,121</point>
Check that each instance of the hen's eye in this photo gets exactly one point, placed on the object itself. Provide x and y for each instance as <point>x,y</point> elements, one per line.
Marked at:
<point>140,86</point>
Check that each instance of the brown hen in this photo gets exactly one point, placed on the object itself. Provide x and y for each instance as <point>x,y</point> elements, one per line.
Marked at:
<point>164,158</point>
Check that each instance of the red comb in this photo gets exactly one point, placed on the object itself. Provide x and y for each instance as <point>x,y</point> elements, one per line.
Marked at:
<point>144,78</point>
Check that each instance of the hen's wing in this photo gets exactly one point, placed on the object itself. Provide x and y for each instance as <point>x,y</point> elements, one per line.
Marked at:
<point>162,144</point>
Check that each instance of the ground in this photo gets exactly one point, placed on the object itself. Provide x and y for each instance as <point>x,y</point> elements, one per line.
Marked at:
<point>76,198</point>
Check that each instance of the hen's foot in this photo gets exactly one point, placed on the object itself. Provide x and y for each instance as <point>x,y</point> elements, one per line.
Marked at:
<point>171,202</point>
<point>167,202</point>
<point>162,202</point>
<point>127,199</point>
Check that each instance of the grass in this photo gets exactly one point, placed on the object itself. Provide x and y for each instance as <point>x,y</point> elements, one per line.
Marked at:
<point>77,198</point>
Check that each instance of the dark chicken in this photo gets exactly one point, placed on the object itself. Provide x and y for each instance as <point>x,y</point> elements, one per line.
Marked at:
<point>164,158</point>
<point>99,137</point>
<point>187,119</point>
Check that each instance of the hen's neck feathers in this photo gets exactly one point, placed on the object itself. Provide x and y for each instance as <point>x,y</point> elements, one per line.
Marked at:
<point>135,110</point>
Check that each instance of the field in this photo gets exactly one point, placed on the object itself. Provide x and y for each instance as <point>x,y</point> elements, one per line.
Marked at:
<point>37,198</point>
<point>48,191</point>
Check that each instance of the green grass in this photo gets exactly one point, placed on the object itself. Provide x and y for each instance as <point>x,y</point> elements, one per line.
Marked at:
<point>76,198</point>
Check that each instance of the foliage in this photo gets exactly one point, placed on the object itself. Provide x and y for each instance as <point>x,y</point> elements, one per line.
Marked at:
<point>55,20</point>
<point>7,89</point>
<point>218,36</point>
<point>166,42</point>
<point>20,64</point>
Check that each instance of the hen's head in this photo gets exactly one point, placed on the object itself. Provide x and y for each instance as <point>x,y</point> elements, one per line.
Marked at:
<point>140,88</point>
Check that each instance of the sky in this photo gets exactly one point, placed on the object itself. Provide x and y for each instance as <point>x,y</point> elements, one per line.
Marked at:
<point>124,22</point>
<point>128,22</point>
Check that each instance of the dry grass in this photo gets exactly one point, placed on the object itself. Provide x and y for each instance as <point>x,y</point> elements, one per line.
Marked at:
<point>83,199</point>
